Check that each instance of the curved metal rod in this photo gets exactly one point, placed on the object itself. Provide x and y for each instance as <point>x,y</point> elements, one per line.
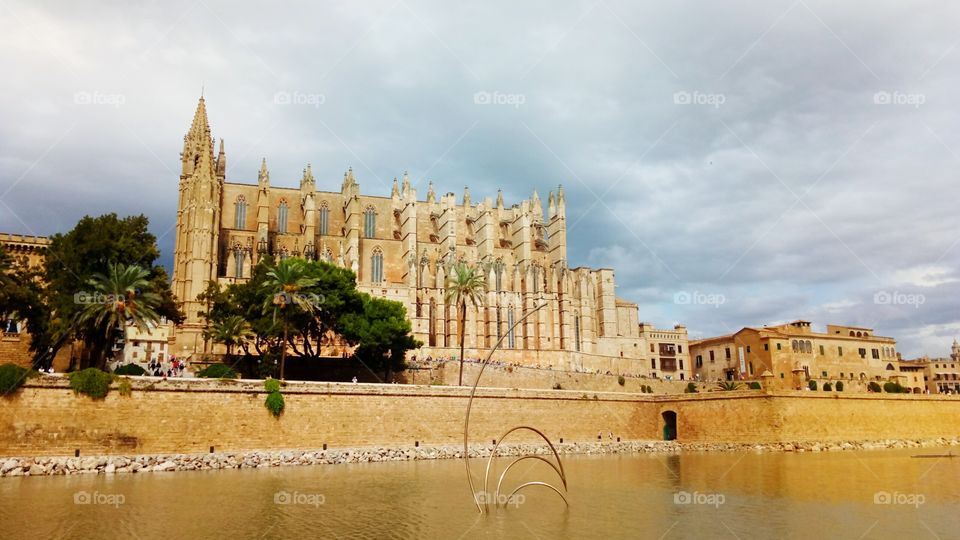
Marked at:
<point>496,495</point>
<point>486,476</point>
<point>473,391</point>
<point>544,484</point>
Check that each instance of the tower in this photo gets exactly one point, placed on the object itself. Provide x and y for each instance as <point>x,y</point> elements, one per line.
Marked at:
<point>198,225</point>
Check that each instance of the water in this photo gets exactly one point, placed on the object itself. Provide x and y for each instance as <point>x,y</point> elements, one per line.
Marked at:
<point>736,496</point>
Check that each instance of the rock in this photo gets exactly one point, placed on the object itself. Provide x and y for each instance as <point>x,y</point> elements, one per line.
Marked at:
<point>110,468</point>
<point>9,465</point>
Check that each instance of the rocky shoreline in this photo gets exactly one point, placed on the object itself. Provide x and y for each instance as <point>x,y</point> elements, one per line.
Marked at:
<point>47,466</point>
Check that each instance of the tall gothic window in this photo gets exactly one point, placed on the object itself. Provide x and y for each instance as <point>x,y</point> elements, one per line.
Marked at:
<point>324,218</point>
<point>369,222</point>
<point>282,217</point>
<point>498,273</point>
<point>240,257</point>
<point>377,266</point>
<point>576,331</point>
<point>499,324</point>
<point>240,212</point>
<point>511,337</point>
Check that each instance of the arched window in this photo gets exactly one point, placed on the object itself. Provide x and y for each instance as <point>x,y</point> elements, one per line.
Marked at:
<point>536,278</point>
<point>240,212</point>
<point>498,274</point>
<point>576,331</point>
<point>324,218</point>
<point>808,347</point>
<point>369,222</point>
<point>511,338</point>
<point>795,345</point>
<point>239,257</point>
<point>432,332</point>
<point>282,212</point>
<point>376,266</point>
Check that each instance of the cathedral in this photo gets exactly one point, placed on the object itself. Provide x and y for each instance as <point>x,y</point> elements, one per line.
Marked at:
<point>402,247</point>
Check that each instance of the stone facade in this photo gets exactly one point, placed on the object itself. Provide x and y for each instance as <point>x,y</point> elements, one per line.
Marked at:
<point>793,354</point>
<point>28,251</point>
<point>402,247</point>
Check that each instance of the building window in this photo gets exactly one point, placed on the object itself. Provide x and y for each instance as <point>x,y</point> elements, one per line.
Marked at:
<point>376,266</point>
<point>653,363</point>
<point>876,354</point>
<point>821,350</point>
<point>778,346</point>
<point>711,356</point>
<point>498,274</point>
<point>324,218</point>
<point>576,330</point>
<point>282,212</point>
<point>511,337</point>
<point>699,362</point>
<point>839,351</point>
<point>679,348</point>
<point>240,213</point>
<point>748,349</point>
<point>499,325</point>
<point>766,346</point>
<point>681,363</point>
<point>727,352</point>
<point>239,257</point>
<point>369,222</point>
<point>750,367</point>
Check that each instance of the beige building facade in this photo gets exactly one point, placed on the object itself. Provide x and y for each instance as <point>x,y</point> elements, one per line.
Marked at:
<point>402,247</point>
<point>794,354</point>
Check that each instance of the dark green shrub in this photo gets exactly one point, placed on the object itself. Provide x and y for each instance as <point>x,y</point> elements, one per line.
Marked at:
<point>12,377</point>
<point>891,387</point>
<point>275,403</point>
<point>92,382</point>
<point>271,385</point>
<point>691,388</point>
<point>754,385</point>
<point>620,380</point>
<point>839,386</point>
<point>873,386</point>
<point>827,387</point>
<point>812,384</point>
<point>130,369</point>
<point>217,371</point>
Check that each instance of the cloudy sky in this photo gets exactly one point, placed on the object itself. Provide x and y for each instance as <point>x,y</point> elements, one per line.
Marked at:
<point>736,164</point>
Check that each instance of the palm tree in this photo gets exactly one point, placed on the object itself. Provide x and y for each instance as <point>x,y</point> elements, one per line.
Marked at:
<point>232,331</point>
<point>118,298</point>
<point>728,385</point>
<point>465,284</point>
<point>285,283</point>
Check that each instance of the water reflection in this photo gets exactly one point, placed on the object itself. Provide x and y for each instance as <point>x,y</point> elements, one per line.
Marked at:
<point>639,496</point>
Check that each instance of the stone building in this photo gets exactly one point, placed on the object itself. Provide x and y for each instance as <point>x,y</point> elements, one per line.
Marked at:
<point>27,251</point>
<point>402,247</point>
<point>939,375</point>
<point>794,354</point>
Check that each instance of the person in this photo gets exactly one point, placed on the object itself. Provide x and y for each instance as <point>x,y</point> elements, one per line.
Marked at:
<point>354,379</point>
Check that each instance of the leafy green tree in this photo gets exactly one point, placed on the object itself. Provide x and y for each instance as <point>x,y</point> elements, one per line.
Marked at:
<point>383,334</point>
<point>73,258</point>
<point>285,284</point>
<point>120,297</point>
<point>465,284</point>
<point>19,290</point>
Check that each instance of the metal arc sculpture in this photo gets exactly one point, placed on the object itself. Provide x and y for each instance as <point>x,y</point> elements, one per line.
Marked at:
<point>484,506</point>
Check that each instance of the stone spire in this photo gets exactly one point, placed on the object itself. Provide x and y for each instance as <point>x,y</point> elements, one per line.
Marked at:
<point>431,196</point>
<point>537,205</point>
<point>395,192</point>
<point>551,206</point>
<point>406,182</point>
<point>263,179</point>
<point>221,162</point>
<point>466,196</point>
<point>348,178</point>
<point>308,182</point>
<point>500,199</point>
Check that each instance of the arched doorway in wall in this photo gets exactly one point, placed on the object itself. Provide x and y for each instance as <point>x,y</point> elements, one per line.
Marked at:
<point>669,425</point>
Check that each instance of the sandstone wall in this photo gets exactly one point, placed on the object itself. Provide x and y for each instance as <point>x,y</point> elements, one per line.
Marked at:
<point>47,418</point>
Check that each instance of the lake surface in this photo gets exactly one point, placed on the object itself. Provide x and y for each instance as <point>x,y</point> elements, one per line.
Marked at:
<point>875,494</point>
